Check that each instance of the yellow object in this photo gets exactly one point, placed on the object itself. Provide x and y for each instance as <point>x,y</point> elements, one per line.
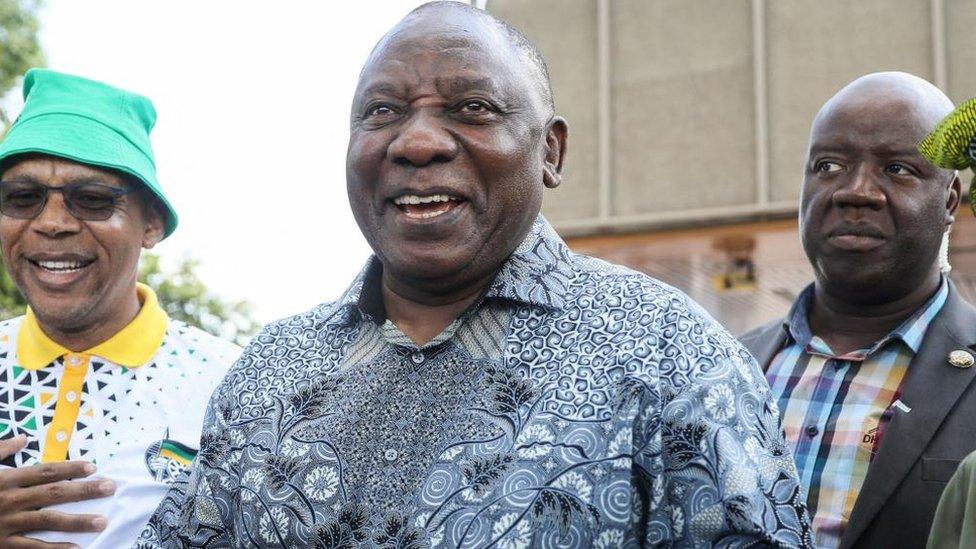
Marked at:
<point>131,347</point>
<point>66,410</point>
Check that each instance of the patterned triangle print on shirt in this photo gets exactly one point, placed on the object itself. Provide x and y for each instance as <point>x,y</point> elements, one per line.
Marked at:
<point>27,400</point>
<point>98,420</point>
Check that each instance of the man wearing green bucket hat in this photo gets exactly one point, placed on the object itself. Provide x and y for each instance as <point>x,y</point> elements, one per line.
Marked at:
<point>94,374</point>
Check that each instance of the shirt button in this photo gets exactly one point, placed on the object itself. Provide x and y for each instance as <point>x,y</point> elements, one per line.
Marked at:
<point>390,454</point>
<point>71,396</point>
<point>417,357</point>
<point>812,431</point>
<point>61,436</point>
<point>74,360</point>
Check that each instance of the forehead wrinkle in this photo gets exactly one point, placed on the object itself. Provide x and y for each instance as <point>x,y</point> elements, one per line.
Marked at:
<point>897,142</point>
<point>382,88</point>
<point>456,84</point>
<point>455,27</point>
<point>59,170</point>
<point>852,127</point>
<point>472,33</point>
<point>477,68</point>
<point>881,149</point>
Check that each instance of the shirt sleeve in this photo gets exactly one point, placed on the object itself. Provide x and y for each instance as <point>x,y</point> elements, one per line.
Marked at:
<point>709,449</point>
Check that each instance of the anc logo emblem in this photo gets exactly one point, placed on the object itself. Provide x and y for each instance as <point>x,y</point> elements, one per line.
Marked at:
<point>166,459</point>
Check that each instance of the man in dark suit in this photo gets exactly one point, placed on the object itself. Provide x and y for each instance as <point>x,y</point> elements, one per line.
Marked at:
<point>872,367</point>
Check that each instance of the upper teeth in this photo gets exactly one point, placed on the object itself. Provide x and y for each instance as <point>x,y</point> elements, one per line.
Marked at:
<point>60,265</point>
<point>416,199</point>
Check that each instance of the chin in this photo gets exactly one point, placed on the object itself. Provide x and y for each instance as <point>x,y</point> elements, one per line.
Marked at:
<point>63,318</point>
<point>864,289</point>
<point>425,261</point>
<point>428,270</point>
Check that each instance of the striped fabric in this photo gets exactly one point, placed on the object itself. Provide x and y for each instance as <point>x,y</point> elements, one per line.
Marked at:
<point>835,408</point>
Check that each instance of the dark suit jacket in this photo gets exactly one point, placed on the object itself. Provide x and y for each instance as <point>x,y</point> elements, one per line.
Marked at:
<point>921,448</point>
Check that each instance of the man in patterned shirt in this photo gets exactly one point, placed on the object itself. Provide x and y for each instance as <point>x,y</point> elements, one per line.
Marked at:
<point>872,366</point>
<point>94,373</point>
<point>479,384</point>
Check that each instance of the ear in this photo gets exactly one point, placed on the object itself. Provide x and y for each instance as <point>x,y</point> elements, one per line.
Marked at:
<point>953,197</point>
<point>556,133</point>
<point>155,225</point>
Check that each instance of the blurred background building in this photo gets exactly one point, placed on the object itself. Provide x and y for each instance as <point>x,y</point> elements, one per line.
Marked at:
<point>689,121</point>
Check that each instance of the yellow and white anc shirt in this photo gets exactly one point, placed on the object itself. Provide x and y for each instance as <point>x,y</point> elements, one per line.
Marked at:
<point>132,405</point>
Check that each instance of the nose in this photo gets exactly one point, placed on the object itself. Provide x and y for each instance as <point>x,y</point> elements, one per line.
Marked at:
<point>423,140</point>
<point>55,219</point>
<point>861,190</point>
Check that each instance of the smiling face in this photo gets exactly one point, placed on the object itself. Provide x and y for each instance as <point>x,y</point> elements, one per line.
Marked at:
<point>76,274</point>
<point>450,147</point>
<point>873,210</point>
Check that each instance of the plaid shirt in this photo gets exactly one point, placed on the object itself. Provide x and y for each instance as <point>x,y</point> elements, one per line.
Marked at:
<point>835,408</point>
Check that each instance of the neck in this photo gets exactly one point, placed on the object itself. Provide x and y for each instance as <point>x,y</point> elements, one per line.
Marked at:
<point>422,314</point>
<point>847,326</point>
<point>84,338</point>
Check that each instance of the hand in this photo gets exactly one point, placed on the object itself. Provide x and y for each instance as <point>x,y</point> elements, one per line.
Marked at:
<point>25,491</point>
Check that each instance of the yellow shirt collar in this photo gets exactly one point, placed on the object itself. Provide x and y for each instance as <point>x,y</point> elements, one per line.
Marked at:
<point>131,346</point>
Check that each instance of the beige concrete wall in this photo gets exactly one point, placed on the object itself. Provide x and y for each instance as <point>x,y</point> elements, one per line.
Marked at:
<point>686,77</point>
<point>960,40</point>
<point>815,48</point>
<point>961,49</point>
<point>683,118</point>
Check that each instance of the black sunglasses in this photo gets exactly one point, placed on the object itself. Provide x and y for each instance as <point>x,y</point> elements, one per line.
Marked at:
<point>84,200</point>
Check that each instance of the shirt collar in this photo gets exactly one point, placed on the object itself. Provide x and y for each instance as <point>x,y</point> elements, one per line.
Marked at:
<point>357,302</point>
<point>538,272</point>
<point>131,346</point>
<point>911,331</point>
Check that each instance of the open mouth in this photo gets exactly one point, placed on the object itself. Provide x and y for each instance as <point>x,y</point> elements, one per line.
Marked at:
<point>61,266</point>
<point>417,206</point>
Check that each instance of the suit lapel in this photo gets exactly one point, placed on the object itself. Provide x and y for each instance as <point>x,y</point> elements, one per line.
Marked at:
<point>931,388</point>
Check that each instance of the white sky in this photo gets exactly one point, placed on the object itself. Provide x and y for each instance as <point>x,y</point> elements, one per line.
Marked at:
<point>253,103</point>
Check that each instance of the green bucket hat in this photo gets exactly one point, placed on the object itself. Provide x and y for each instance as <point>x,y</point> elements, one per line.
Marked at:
<point>88,122</point>
<point>952,144</point>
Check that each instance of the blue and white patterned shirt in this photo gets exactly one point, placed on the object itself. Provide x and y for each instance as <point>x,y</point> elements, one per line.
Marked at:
<point>576,404</point>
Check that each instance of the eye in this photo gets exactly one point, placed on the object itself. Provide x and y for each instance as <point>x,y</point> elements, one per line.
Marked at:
<point>23,196</point>
<point>476,110</point>
<point>475,107</point>
<point>827,166</point>
<point>379,110</point>
<point>93,198</point>
<point>896,168</point>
